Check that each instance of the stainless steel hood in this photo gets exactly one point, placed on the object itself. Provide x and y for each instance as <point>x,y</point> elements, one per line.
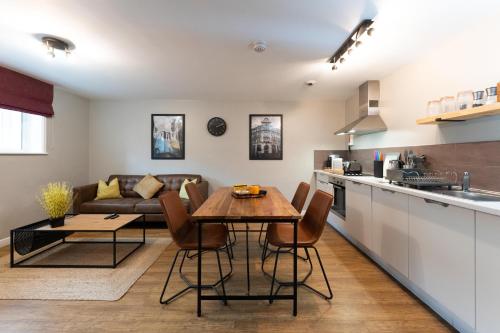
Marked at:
<point>369,121</point>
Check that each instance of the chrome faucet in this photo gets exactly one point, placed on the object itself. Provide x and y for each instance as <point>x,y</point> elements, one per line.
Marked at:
<point>466,182</point>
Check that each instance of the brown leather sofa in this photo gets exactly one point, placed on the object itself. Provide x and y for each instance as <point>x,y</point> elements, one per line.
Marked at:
<point>84,203</point>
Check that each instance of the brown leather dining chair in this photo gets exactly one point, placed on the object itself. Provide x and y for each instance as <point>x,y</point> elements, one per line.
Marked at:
<point>185,235</point>
<point>196,199</point>
<point>298,201</point>
<point>309,232</point>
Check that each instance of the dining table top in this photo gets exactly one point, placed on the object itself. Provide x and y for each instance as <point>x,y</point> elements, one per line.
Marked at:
<point>221,205</point>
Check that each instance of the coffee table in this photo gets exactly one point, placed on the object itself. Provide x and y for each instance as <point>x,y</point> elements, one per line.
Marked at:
<point>36,238</point>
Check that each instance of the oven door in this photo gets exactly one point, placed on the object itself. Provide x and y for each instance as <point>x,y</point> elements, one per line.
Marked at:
<point>338,207</point>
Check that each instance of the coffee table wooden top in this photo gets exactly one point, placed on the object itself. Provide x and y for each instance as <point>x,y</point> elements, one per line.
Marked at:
<point>96,222</point>
<point>221,205</point>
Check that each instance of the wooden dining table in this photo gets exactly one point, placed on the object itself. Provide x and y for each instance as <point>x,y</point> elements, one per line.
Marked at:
<point>222,207</point>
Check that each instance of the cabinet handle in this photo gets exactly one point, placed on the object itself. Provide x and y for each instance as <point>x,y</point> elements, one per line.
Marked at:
<point>436,202</point>
<point>356,183</point>
<point>386,190</point>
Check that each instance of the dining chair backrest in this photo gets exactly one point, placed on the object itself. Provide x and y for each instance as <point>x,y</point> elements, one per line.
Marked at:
<point>299,199</point>
<point>177,218</point>
<point>317,212</point>
<point>195,197</point>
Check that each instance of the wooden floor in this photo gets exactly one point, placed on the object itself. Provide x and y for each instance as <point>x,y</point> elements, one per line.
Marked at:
<point>366,300</point>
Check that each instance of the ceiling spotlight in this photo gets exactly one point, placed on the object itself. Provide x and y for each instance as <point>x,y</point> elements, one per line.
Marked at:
<point>53,43</point>
<point>352,42</point>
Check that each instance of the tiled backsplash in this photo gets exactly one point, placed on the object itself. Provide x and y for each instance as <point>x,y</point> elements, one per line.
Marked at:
<point>481,159</point>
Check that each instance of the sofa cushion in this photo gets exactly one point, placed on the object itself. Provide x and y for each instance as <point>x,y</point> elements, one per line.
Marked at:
<point>148,186</point>
<point>108,191</point>
<point>172,183</point>
<point>152,206</point>
<point>108,206</point>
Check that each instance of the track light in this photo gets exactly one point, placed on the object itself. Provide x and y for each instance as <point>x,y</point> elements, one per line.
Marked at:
<point>53,43</point>
<point>352,42</point>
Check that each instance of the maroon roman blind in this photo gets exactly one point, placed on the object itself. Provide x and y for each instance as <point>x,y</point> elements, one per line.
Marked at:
<point>19,92</point>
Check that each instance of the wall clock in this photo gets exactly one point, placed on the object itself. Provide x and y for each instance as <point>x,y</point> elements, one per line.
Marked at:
<point>216,126</point>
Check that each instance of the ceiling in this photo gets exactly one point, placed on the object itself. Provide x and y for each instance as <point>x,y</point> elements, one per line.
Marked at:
<point>188,49</point>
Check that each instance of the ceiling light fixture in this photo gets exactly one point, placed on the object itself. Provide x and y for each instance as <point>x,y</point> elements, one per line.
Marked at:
<point>53,43</point>
<point>353,41</point>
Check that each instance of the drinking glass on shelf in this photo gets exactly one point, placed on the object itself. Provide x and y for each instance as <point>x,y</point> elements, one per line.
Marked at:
<point>447,104</point>
<point>464,100</point>
<point>433,108</point>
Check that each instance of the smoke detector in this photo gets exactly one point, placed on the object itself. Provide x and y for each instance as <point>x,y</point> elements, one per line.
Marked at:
<point>259,46</point>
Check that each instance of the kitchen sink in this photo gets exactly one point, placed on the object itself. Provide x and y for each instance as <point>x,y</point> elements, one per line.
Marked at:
<point>471,195</point>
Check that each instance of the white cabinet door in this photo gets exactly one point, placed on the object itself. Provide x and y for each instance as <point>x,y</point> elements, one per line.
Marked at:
<point>390,228</point>
<point>323,184</point>
<point>442,254</point>
<point>358,212</point>
<point>487,272</point>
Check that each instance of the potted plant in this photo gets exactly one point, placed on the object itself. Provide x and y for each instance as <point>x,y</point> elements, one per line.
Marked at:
<point>56,199</point>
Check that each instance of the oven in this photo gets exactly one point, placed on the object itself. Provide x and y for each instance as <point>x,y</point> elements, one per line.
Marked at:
<point>338,191</point>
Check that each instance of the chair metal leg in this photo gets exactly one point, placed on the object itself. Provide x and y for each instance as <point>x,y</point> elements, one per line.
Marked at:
<point>191,285</point>
<point>260,235</point>
<point>274,276</point>
<point>234,233</point>
<point>283,283</point>
<point>168,279</point>
<point>330,296</point>
<point>301,283</point>
<point>221,277</point>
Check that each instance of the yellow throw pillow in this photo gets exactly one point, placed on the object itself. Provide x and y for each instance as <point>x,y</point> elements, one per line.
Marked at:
<point>111,191</point>
<point>148,186</point>
<point>182,192</point>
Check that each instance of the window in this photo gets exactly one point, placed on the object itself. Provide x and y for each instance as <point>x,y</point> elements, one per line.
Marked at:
<point>21,133</point>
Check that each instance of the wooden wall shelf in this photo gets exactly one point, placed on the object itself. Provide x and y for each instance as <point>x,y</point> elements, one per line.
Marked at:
<point>462,115</point>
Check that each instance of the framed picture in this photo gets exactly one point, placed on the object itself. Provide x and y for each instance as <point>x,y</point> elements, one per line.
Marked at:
<point>167,136</point>
<point>266,137</point>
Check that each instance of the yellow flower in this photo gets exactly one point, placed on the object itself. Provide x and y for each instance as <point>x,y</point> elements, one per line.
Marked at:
<point>56,199</point>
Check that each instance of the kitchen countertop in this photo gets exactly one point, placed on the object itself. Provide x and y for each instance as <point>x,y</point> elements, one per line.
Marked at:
<point>481,206</point>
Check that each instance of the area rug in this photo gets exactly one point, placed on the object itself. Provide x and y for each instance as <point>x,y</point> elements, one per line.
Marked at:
<point>97,284</point>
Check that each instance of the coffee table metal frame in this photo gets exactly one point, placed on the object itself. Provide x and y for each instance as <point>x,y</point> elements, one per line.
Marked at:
<point>114,264</point>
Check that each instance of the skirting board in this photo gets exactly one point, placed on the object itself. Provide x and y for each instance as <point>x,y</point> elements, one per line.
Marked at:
<point>432,303</point>
<point>4,242</point>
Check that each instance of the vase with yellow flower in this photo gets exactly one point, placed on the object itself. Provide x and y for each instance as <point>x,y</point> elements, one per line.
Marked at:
<point>56,199</point>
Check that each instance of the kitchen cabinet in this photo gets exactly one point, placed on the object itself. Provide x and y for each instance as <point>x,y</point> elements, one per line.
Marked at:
<point>442,254</point>
<point>322,183</point>
<point>390,228</point>
<point>359,212</point>
<point>487,272</point>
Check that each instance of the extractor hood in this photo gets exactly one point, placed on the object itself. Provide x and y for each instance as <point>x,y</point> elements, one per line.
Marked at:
<point>369,120</point>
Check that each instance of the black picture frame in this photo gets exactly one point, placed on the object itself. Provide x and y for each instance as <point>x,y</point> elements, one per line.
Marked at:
<point>271,148</point>
<point>168,143</point>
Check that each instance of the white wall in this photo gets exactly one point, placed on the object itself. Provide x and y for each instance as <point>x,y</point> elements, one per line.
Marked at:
<point>22,176</point>
<point>120,140</point>
<point>468,61</point>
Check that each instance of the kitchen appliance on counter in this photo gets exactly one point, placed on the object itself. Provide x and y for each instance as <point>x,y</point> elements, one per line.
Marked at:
<point>352,168</point>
